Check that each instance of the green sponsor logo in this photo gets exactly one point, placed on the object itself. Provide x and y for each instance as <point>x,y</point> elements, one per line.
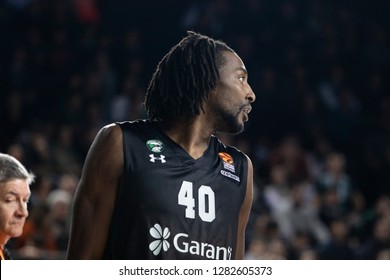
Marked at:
<point>156,146</point>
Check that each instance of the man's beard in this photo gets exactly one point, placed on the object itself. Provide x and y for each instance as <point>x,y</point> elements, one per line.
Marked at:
<point>227,121</point>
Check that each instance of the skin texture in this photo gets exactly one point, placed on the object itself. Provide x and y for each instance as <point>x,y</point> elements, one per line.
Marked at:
<point>14,196</point>
<point>102,173</point>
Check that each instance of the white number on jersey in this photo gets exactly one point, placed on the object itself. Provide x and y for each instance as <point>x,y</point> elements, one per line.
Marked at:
<point>206,201</point>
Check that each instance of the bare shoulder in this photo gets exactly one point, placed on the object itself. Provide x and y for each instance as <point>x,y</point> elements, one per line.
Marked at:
<point>108,141</point>
<point>104,162</point>
<point>110,133</point>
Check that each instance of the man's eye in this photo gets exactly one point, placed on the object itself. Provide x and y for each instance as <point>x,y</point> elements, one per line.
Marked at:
<point>241,79</point>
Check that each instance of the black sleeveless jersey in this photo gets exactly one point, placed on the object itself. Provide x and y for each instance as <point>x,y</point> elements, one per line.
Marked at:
<point>171,206</point>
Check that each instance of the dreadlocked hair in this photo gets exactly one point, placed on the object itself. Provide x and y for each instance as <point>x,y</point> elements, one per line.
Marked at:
<point>185,77</point>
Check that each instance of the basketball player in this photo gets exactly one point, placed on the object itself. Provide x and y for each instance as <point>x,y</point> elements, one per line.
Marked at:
<point>14,194</point>
<point>166,187</point>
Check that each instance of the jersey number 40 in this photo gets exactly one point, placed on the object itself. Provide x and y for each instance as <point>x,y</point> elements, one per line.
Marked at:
<point>206,201</point>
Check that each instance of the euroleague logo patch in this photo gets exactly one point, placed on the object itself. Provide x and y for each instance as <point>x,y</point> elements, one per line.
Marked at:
<point>226,157</point>
<point>227,161</point>
<point>228,164</point>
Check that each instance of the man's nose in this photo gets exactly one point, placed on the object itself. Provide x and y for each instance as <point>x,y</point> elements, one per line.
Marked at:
<point>250,96</point>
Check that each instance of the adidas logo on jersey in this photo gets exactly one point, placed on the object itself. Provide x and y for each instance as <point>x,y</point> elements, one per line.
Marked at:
<point>182,244</point>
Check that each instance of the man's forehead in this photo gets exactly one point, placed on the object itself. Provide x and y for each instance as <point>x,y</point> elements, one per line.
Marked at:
<point>233,61</point>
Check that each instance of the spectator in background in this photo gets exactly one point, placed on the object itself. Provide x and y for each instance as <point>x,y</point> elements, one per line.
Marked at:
<point>305,213</point>
<point>335,177</point>
<point>308,254</point>
<point>360,216</point>
<point>375,247</point>
<point>257,250</point>
<point>277,196</point>
<point>15,192</point>
<point>383,254</point>
<point>293,158</point>
<point>338,248</point>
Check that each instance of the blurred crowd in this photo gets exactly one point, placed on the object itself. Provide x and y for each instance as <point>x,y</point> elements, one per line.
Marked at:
<point>318,135</point>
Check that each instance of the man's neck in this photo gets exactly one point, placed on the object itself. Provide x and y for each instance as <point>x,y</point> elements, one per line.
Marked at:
<point>193,136</point>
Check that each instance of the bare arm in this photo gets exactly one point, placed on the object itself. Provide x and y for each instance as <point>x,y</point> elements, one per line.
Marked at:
<point>244,213</point>
<point>95,196</point>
